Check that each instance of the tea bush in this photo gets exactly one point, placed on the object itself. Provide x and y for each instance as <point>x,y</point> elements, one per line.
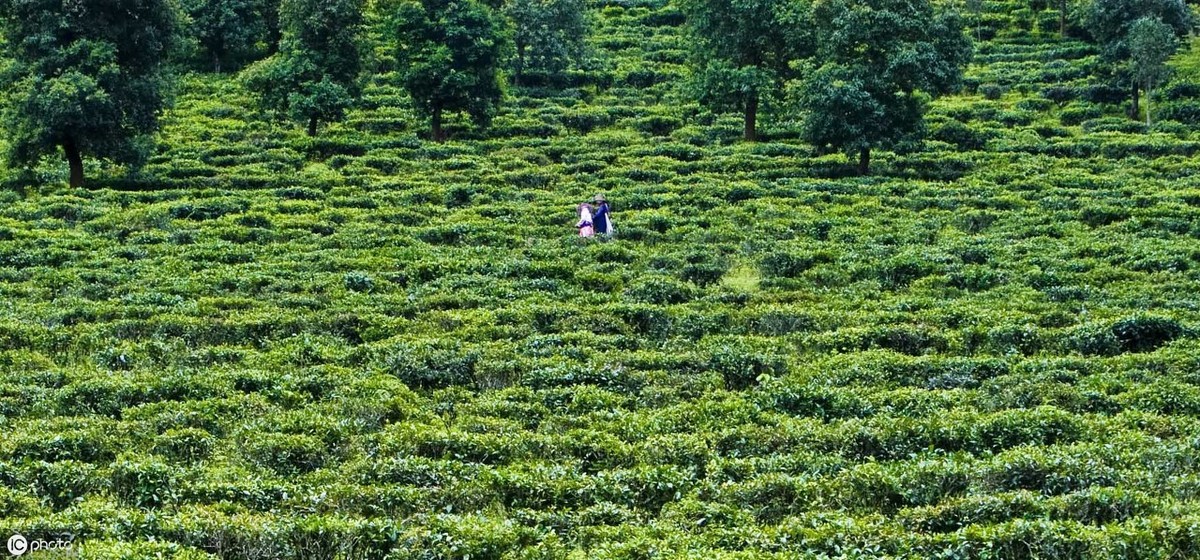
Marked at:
<point>366,345</point>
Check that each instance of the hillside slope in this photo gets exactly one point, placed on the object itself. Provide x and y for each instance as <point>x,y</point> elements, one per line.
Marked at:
<point>367,344</point>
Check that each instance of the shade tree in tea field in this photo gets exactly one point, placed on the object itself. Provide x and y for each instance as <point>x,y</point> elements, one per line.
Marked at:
<point>225,31</point>
<point>1151,43</point>
<point>742,50</point>
<point>1111,24</point>
<point>878,62</point>
<point>451,54</point>
<point>85,77</point>
<point>315,75</point>
<point>548,35</point>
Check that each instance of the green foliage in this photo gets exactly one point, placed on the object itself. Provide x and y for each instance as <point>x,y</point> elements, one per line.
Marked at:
<point>549,36</point>
<point>1151,43</point>
<point>1110,22</point>
<point>433,366</point>
<point>366,346</point>
<point>226,32</point>
<point>878,63</point>
<point>314,77</point>
<point>1137,55</point>
<point>451,53</point>
<point>144,483</point>
<point>742,51</point>
<point>88,78</point>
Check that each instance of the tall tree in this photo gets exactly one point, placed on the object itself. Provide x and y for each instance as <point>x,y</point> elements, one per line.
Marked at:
<point>1109,23</point>
<point>314,77</point>
<point>549,35</point>
<point>451,52</point>
<point>879,62</point>
<point>1151,43</point>
<point>741,51</point>
<point>225,29</point>
<point>85,76</point>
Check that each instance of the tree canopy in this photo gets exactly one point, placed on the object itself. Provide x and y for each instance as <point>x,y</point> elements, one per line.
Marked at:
<point>878,61</point>
<point>225,30</point>
<point>315,75</point>
<point>451,53</point>
<point>1151,43</point>
<point>86,76</point>
<point>742,50</point>
<point>1109,23</point>
<point>548,35</point>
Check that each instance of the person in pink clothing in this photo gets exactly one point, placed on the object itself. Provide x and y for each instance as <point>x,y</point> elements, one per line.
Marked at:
<point>585,221</point>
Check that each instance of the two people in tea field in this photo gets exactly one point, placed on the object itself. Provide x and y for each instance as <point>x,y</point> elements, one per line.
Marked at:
<point>594,221</point>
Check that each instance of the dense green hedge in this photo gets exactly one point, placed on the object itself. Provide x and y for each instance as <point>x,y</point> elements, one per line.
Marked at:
<point>366,346</point>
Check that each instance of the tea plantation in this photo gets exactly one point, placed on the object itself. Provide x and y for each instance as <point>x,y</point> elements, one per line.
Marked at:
<point>364,344</point>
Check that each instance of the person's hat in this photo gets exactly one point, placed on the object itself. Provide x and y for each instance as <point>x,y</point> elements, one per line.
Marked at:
<point>599,198</point>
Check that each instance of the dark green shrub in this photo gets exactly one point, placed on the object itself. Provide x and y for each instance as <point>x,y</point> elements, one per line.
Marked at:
<point>76,440</point>
<point>586,119</point>
<point>286,454</point>
<point>657,125</point>
<point>210,209</point>
<point>772,496</point>
<point>741,364</point>
<point>912,340</point>
<point>959,134</point>
<point>810,400</point>
<point>976,278</point>
<point>358,282</point>
<point>1114,124</point>
<point>432,365</point>
<point>704,268</point>
<point>645,320</point>
<point>645,487</point>
<point>789,264</point>
<point>1040,427</point>
<point>1096,216</point>
<point>1048,473</point>
<point>1104,94</point>
<point>1145,333</point>
<point>1060,95</point>
<point>1076,114</point>
<point>139,482</point>
<point>185,444</point>
<point>1164,398</point>
<point>1005,339</point>
<point>61,484</point>
<point>992,91</point>
<point>1184,111</point>
<point>1183,89</point>
<point>898,272</point>
<point>780,323</point>
<point>643,78</point>
<point>658,291</point>
<point>1035,105</point>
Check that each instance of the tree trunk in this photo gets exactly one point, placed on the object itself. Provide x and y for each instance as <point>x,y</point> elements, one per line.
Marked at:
<point>74,161</point>
<point>1148,93</point>
<point>520,71</point>
<point>216,63</point>
<point>312,126</point>
<point>751,130</point>
<point>864,161</point>
<point>1134,113</point>
<point>439,135</point>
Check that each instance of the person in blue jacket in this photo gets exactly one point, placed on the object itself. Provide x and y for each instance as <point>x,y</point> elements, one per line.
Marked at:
<point>600,219</point>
